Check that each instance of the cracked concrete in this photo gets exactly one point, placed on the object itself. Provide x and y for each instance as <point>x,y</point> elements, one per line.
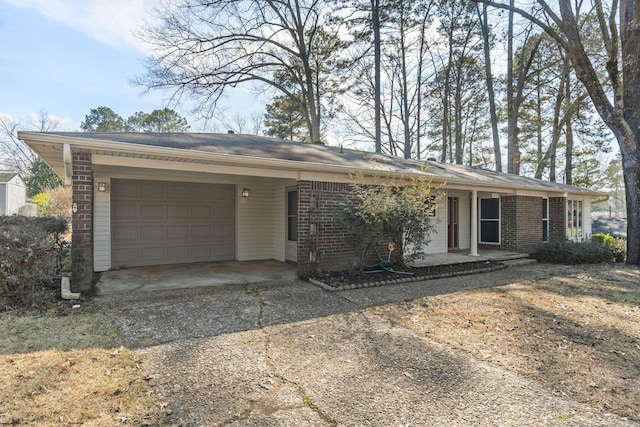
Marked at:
<point>287,353</point>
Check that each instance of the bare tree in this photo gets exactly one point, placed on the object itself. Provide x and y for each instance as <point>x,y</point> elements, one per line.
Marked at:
<point>615,95</point>
<point>202,48</point>
<point>16,156</point>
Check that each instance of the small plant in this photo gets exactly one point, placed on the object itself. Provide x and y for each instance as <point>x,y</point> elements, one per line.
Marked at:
<point>568,252</point>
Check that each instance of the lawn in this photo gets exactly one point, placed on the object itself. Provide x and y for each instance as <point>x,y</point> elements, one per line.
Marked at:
<point>577,334</point>
<point>66,366</point>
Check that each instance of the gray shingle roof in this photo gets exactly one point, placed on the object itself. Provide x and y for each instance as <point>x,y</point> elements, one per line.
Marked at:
<point>7,176</point>
<point>271,148</point>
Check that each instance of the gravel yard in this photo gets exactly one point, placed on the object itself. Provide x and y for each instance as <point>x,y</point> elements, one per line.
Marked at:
<point>528,345</point>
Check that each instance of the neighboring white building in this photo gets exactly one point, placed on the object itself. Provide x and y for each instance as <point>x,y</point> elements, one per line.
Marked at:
<point>13,193</point>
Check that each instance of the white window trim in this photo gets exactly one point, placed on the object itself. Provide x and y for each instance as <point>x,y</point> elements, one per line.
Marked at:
<point>570,236</point>
<point>545,221</point>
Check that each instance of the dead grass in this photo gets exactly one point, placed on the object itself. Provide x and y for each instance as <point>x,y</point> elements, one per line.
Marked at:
<point>68,370</point>
<point>578,335</point>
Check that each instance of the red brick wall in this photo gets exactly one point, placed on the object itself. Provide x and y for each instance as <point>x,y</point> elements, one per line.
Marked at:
<point>557,218</point>
<point>82,223</point>
<point>521,226</point>
<point>320,205</point>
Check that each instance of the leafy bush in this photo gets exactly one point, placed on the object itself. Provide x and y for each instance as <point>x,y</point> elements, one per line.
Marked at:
<point>568,252</point>
<point>617,245</point>
<point>43,201</point>
<point>388,211</point>
<point>33,254</point>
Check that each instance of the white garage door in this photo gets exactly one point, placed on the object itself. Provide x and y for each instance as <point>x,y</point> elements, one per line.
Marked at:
<point>157,222</point>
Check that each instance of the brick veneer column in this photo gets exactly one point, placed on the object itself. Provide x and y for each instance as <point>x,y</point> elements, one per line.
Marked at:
<point>321,231</point>
<point>82,224</point>
<point>557,217</point>
<point>521,229</point>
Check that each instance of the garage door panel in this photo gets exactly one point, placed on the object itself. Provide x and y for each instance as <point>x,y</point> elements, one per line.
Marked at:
<point>202,212</point>
<point>124,257</point>
<point>222,251</point>
<point>200,232</point>
<point>124,233</point>
<point>177,191</point>
<point>125,189</point>
<point>125,211</point>
<point>224,193</point>
<point>152,212</point>
<point>201,192</point>
<point>151,233</point>
<point>224,214</point>
<point>178,232</point>
<point>159,222</point>
<point>178,212</point>
<point>152,255</point>
<point>153,190</point>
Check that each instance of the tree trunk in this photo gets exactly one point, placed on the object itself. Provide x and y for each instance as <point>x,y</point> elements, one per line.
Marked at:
<point>375,23</point>
<point>484,22</point>
<point>511,115</point>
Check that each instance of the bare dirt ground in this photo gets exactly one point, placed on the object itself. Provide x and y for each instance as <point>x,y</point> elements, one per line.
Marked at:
<point>577,333</point>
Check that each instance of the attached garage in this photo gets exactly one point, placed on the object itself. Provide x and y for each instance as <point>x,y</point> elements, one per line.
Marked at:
<point>159,222</point>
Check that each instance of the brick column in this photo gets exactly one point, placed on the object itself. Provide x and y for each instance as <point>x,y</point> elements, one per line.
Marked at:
<point>557,218</point>
<point>521,228</point>
<point>82,224</point>
<point>322,233</point>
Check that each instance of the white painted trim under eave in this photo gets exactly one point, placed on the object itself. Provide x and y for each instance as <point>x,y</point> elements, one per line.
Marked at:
<point>105,160</point>
<point>68,163</point>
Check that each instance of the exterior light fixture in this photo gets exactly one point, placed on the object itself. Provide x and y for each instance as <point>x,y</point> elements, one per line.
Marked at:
<point>245,192</point>
<point>102,187</point>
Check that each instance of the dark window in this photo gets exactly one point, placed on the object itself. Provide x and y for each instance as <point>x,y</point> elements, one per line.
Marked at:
<point>545,220</point>
<point>292,216</point>
<point>490,220</point>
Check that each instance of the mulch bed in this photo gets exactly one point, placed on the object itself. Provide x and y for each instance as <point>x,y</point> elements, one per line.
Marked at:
<point>354,279</point>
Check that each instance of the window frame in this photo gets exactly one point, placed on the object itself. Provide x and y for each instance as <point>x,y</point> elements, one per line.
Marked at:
<point>497,220</point>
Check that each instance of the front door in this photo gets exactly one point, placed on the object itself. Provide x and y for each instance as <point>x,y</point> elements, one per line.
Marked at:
<point>452,222</point>
<point>292,225</point>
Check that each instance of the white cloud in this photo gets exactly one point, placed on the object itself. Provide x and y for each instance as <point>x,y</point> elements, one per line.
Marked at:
<point>112,22</point>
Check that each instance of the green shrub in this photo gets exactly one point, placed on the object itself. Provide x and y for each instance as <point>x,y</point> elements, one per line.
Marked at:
<point>32,255</point>
<point>568,252</point>
<point>617,245</point>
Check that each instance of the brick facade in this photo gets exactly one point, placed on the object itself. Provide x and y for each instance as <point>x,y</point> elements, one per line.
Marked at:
<point>82,223</point>
<point>521,225</point>
<point>557,218</point>
<point>321,233</point>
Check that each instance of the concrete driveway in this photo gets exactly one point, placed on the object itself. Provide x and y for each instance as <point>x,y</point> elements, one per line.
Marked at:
<point>287,353</point>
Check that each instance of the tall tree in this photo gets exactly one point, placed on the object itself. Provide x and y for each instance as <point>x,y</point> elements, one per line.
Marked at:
<point>103,119</point>
<point>165,120</point>
<point>486,44</point>
<point>284,120</point>
<point>615,96</point>
<point>202,48</point>
<point>14,154</point>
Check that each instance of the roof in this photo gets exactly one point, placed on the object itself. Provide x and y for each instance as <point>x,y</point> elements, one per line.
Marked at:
<point>7,176</point>
<point>248,150</point>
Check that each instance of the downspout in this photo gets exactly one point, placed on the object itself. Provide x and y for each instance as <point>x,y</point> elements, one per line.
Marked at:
<point>68,167</point>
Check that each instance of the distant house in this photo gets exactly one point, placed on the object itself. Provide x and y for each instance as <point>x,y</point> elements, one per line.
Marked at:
<point>158,199</point>
<point>13,193</point>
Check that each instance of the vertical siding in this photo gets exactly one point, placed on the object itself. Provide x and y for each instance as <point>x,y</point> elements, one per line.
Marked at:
<point>438,243</point>
<point>102,227</point>
<point>279,240</point>
<point>255,220</point>
<point>586,218</point>
<point>3,199</point>
<point>464,220</point>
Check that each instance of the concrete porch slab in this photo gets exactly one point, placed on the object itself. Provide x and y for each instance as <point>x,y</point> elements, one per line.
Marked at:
<point>184,276</point>
<point>459,257</point>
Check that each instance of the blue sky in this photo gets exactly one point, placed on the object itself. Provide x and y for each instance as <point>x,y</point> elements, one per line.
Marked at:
<point>69,56</point>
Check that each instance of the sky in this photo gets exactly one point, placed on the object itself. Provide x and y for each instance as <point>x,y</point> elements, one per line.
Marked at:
<point>68,56</point>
